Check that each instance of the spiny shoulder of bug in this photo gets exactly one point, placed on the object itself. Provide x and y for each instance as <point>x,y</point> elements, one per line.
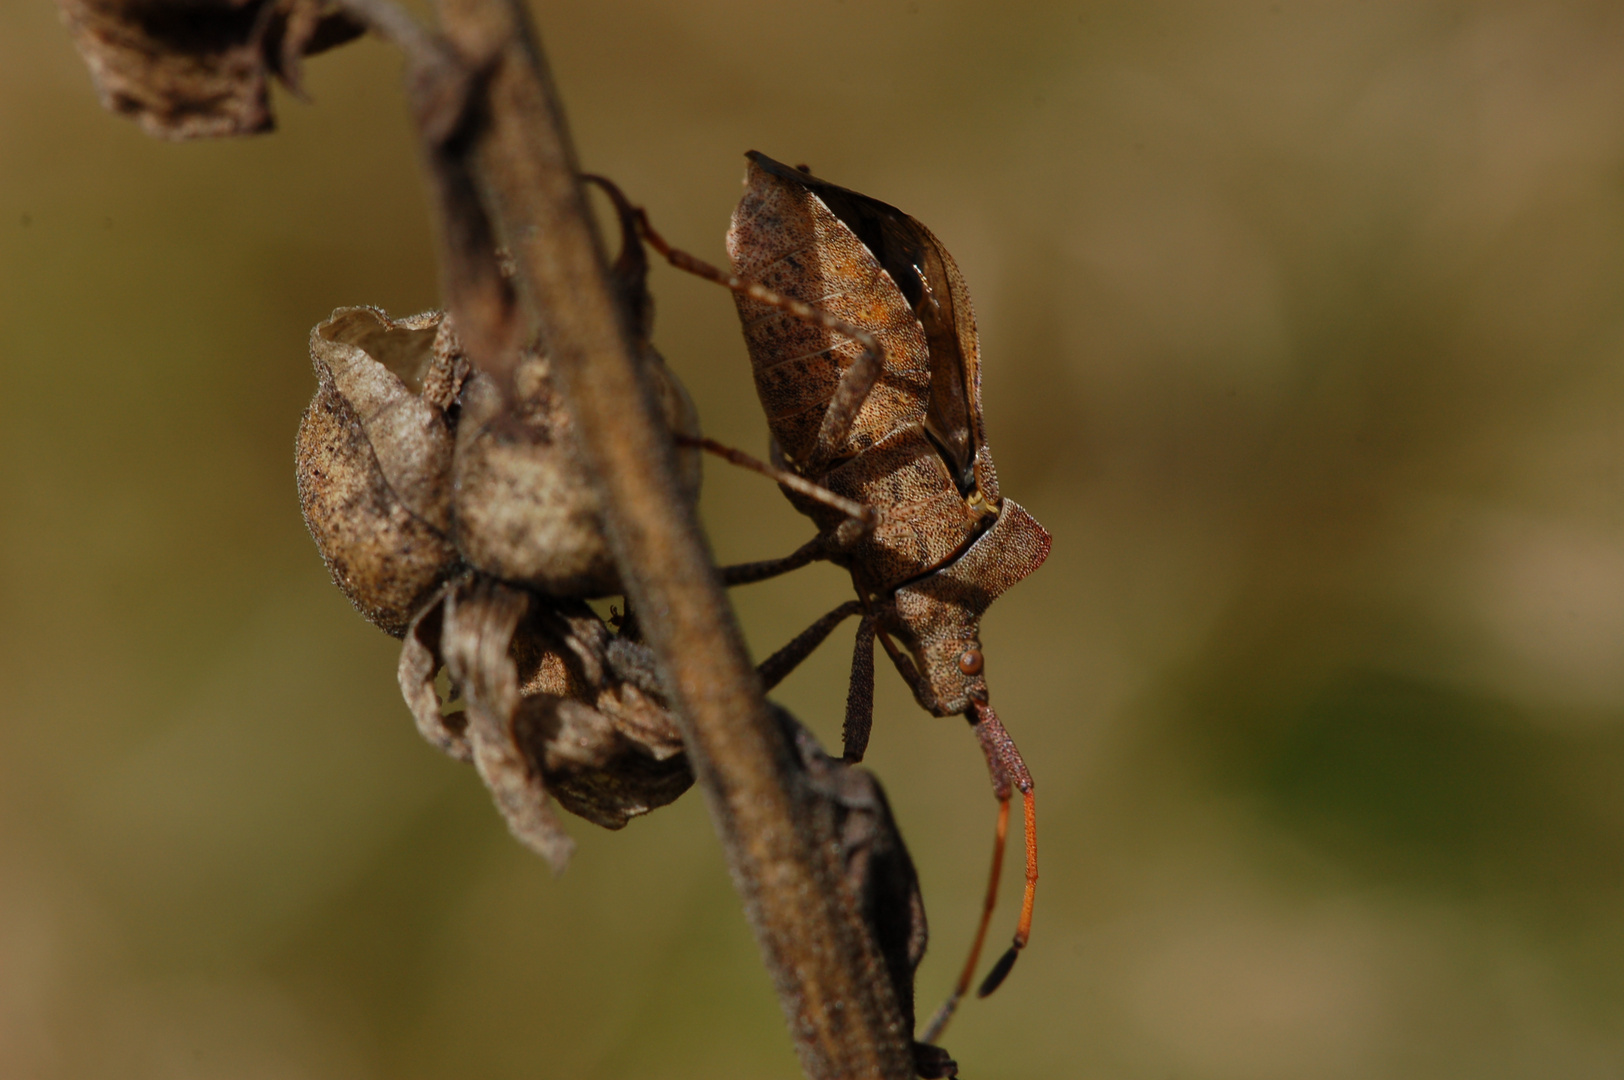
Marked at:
<point>937,616</point>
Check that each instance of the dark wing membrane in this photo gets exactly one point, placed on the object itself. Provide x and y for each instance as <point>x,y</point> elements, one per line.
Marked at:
<point>919,266</point>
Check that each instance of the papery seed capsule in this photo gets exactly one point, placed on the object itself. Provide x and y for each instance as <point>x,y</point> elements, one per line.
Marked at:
<point>374,456</point>
<point>524,511</point>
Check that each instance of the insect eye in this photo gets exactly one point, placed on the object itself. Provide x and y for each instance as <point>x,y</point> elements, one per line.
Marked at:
<point>970,662</point>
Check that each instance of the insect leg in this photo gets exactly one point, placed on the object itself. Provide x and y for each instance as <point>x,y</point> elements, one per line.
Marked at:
<point>629,272</point>
<point>903,664</point>
<point>773,669</point>
<point>858,512</point>
<point>750,572</point>
<point>860,695</point>
<point>850,393</point>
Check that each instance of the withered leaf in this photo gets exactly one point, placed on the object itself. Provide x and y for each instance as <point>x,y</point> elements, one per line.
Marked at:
<point>545,712</point>
<point>189,69</point>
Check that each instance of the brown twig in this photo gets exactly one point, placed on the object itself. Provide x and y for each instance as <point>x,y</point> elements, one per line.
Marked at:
<point>392,23</point>
<point>492,125</point>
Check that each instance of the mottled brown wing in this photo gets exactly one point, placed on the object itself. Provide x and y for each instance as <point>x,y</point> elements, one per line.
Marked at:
<point>935,289</point>
<point>787,239</point>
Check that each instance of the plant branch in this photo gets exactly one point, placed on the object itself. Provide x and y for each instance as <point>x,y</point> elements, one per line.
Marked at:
<point>392,23</point>
<point>493,127</point>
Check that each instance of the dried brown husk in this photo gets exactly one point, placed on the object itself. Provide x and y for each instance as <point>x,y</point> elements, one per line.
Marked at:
<point>845,804</point>
<point>188,69</point>
<point>374,459</point>
<point>545,712</point>
<point>524,510</point>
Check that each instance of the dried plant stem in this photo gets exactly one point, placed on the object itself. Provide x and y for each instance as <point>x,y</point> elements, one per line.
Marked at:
<point>392,23</point>
<point>513,144</point>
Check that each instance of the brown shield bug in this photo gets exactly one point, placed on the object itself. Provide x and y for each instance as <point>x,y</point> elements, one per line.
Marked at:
<point>867,363</point>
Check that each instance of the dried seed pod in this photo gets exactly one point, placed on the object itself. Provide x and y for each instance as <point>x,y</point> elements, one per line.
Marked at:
<point>546,712</point>
<point>524,511</point>
<point>374,459</point>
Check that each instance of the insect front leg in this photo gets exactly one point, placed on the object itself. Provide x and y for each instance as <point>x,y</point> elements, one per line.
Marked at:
<point>860,695</point>
<point>773,669</point>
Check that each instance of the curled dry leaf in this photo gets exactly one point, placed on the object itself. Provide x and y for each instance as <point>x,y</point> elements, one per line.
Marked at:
<point>199,68</point>
<point>374,459</point>
<point>545,712</point>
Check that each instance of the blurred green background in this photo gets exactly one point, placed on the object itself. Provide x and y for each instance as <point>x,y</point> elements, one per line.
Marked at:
<point>1302,330</point>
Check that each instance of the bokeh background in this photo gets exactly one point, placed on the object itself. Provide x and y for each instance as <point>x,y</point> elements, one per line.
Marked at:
<point>1302,328</point>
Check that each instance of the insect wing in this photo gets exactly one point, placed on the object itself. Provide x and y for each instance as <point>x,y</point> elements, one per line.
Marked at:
<point>933,286</point>
<point>787,239</point>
